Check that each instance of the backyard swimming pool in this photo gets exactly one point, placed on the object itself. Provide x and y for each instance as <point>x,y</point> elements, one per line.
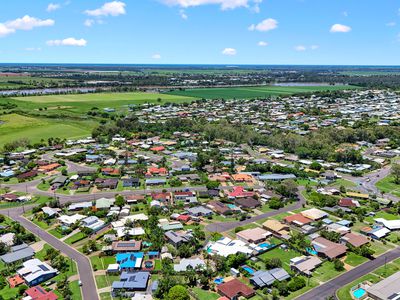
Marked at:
<point>359,293</point>
<point>248,270</point>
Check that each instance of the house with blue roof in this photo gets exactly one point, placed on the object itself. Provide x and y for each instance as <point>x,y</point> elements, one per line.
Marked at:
<point>130,282</point>
<point>130,260</point>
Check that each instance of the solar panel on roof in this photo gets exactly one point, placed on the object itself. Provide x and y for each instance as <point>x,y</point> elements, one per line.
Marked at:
<point>126,245</point>
<point>43,267</point>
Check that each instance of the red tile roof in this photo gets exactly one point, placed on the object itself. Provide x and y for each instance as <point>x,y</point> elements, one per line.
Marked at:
<point>38,293</point>
<point>235,288</point>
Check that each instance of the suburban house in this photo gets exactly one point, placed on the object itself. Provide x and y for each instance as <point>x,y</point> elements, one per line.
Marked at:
<point>35,272</point>
<point>39,293</point>
<point>255,235</point>
<point>386,289</point>
<point>233,289</point>
<point>18,253</point>
<point>328,249</point>
<point>219,207</point>
<point>189,263</point>
<point>355,240</point>
<point>305,264</point>
<point>297,220</point>
<point>126,246</point>
<point>262,279</point>
<point>130,282</point>
<point>276,227</point>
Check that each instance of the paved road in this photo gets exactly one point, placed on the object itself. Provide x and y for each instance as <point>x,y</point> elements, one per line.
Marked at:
<point>89,289</point>
<point>367,183</point>
<point>226,226</point>
<point>329,289</point>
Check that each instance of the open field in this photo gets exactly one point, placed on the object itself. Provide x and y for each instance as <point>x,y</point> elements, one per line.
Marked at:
<point>85,102</point>
<point>388,185</point>
<point>253,92</point>
<point>14,82</point>
<point>15,126</point>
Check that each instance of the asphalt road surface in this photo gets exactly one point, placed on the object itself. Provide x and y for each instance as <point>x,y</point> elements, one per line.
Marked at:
<point>89,289</point>
<point>329,289</point>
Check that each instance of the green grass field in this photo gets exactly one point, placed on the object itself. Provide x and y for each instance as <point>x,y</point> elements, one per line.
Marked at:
<point>15,126</point>
<point>253,92</point>
<point>388,185</point>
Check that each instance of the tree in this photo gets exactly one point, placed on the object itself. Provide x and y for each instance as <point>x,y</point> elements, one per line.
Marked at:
<point>211,185</point>
<point>338,264</point>
<point>119,201</point>
<point>396,173</point>
<point>296,283</point>
<point>178,292</point>
<point>275,203</point>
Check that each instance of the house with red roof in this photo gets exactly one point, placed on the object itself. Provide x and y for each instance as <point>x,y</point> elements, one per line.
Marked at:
<point>39,293</point>
<point>234,289</point>
<point>348,202</point>
<point>154,171</point>
<point>239,192</point>
<point>157,148</point>
<point>297,220</point>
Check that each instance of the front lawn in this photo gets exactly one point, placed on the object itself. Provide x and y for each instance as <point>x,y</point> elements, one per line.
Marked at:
<point>75,238</point>
<point>283,255</point>
<point>353,259</point>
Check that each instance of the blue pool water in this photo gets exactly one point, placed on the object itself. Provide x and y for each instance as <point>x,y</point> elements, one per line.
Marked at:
<point>248,270</point>
<point>311,251</point>
<point>232,206</point>
<point>219,280</point>
<point>265,245</point>
<point>358,293</point>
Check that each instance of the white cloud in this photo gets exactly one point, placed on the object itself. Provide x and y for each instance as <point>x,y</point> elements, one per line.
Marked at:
<point>229,51</point>
<point>300,48</point>
<point>224,4</point>
<point>340,28</point>
<point>183,14</point>
<point>391,24</point>
<point>4,30</point>
<point>53,6</point>
<point>265,25</point>
<point>28,23</point>
<point>262,44</point>
<point>114,8</point>
<point>314,47</point>
<point>156,56</point>
<point>24,23</point>
<point>68,42</point>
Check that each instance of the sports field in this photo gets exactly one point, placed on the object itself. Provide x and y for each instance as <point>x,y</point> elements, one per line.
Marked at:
<point>253,92</point>
<point>14,127</point>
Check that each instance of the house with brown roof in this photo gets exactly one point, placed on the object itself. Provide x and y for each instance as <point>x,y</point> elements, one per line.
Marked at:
<point>49,167</point>
<point>234,289</point>
<point>247,202</point>
<point>328,249</point>
<point>276,227</point>
<point>356,240</point>
<point>297,220</point>
<point>241,177</point>
<point>126,246</point>
<point>255,235</point>
<point>219,207</point>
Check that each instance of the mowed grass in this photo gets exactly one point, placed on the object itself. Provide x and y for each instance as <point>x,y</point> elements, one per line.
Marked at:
<point>14,127</point>
<point>388,185</point>
<point>253,92</point>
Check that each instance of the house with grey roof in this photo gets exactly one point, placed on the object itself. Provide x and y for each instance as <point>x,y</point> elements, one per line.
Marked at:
<point>130,282</point>
<point>17,253</point>
<point>177,238</point>
<point>262,279</point>
<point>189,263</point>
<point>199,211</point>
<point>387,289</point>
<point>35,272</point>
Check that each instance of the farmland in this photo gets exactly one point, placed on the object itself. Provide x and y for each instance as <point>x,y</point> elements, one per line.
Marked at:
<point>252,92</point>
<point>81,103</point>
<point>15,126</point>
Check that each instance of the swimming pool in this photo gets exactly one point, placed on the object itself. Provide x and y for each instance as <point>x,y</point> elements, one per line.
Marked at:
<point>219,280</point>
<point>359,293</point>
<point>232,206</point>
<point>265,245</point>
<point>248,270</point>
<point>311,251</point>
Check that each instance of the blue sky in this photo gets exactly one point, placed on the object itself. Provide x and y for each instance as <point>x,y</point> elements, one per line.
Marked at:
<point>201,31</point>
